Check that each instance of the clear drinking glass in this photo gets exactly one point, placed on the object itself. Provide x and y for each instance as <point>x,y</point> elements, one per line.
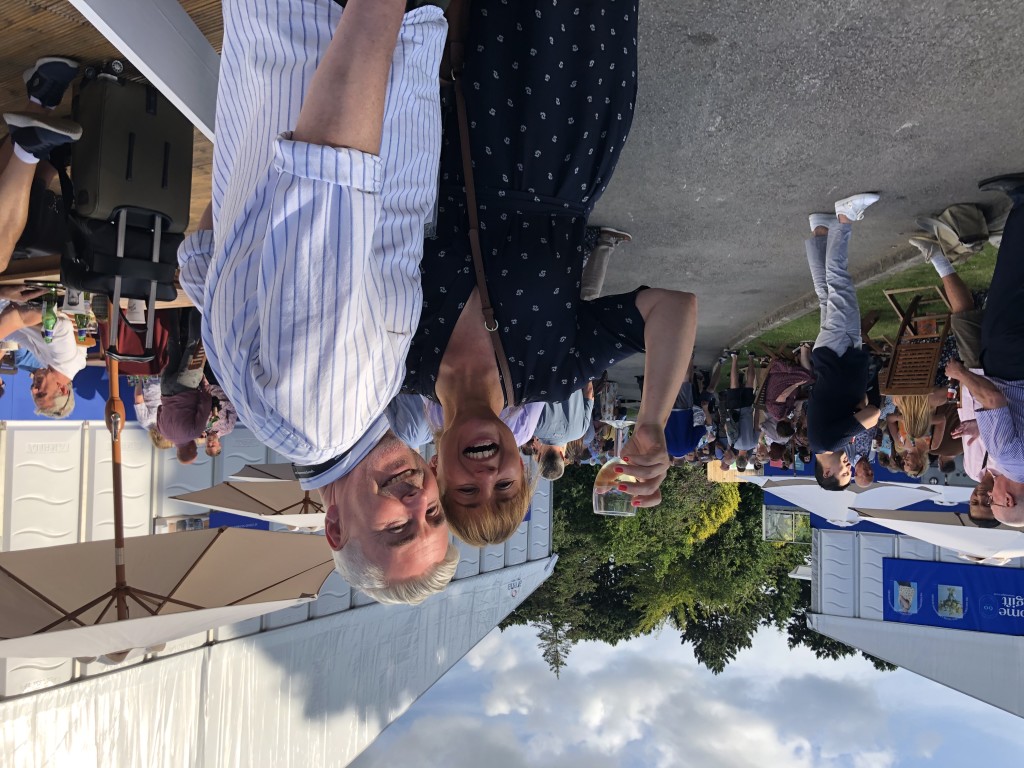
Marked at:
<point>608,499</point>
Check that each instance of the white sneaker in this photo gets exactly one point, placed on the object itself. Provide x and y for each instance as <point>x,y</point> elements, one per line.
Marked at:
<point>821,220</point>
<point>927,246</point>
<point>853,207</point>
<point>615,235</point>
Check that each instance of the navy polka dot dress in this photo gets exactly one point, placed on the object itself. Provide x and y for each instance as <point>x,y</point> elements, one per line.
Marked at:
<point>550,87</point>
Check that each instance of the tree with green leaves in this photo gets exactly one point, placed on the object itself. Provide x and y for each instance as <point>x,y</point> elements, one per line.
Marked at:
<point>697,562</point>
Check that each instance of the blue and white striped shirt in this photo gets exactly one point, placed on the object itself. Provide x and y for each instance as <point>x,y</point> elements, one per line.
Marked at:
<point>1002,430</point>
<point>310,289</point>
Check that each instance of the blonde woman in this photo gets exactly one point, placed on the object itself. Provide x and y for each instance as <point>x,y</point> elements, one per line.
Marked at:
<point>924,424</point>
<point>543,151</point>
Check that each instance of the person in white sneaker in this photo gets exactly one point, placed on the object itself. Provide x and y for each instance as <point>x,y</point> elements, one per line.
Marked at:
<point>838,406</point>
<point>28,182</point>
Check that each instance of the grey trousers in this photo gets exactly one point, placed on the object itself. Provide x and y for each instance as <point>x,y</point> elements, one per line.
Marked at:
<point>837,297</point>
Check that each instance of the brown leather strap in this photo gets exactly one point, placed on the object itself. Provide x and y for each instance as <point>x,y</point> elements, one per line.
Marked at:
<point>457,52</point>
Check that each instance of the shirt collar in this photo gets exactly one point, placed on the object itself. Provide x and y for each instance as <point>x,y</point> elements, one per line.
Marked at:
<point>325,473</point>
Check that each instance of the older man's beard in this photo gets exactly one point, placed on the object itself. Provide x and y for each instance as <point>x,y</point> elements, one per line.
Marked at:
<point>402,483</point>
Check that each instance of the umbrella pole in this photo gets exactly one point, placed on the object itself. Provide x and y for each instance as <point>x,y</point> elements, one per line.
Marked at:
<point>115,417</point>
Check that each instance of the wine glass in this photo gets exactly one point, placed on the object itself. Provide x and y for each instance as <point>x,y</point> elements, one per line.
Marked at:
<point>608,499</point>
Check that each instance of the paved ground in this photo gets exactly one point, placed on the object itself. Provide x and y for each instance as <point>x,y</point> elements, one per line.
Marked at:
<point>748,120</point>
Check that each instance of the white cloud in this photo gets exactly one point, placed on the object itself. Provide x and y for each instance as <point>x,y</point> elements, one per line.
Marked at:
<point>883,759</point>
<point>648,703</point>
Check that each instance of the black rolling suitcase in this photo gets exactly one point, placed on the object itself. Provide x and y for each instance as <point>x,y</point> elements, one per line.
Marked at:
<point>132,172</point>
<point>136,150</point>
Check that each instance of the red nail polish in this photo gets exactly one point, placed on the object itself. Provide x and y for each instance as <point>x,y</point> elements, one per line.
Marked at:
<point>622,488</point>
<point>636,503</point>
<point>625,459</point>
<point>619,469</point>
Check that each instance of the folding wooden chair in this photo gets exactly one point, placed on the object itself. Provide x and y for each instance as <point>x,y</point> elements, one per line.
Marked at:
<point>919,342</point>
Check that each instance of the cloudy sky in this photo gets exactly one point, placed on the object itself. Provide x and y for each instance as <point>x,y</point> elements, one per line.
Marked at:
<point>648,703</point>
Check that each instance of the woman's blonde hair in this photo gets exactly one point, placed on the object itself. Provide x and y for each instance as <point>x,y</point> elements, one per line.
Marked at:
<point>917,414</point>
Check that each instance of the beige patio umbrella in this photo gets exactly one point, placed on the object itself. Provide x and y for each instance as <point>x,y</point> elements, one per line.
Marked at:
<point>837,506</point>
<point>60,601</point>
<point>280,501</point>
<point>68,601</point>
<point>256,473</point>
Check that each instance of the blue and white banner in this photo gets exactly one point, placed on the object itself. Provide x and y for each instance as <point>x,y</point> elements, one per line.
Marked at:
<point>979,598</point>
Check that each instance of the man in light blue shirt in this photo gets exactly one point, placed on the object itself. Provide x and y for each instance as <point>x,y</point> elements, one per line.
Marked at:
<point>306,268</point>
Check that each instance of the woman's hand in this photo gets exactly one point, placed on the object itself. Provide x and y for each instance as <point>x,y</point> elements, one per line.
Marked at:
<point>646,458</point>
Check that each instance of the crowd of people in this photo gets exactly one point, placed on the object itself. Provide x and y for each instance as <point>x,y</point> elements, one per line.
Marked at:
<point>385,264</point>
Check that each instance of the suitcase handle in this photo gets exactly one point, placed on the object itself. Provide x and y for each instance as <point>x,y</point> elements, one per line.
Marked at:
<point>140,270</point>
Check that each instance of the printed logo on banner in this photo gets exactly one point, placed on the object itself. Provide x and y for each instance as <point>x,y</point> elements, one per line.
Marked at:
<point>513,587</point>
<point>1011,606</point>
<point>949,602</point>
<point>905,598</point>
<point>989,606</point>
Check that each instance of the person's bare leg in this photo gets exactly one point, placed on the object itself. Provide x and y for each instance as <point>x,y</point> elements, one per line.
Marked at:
<point>15,189</point>
<point>344,105</point>
<point>734,372</point>
<point>749,379</point>
<point>957,293</point>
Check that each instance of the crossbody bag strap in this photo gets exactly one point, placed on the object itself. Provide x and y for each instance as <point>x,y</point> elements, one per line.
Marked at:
<point>457,52</point>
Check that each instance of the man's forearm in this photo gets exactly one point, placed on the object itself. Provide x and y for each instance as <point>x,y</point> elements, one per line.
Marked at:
<point>670,329</point>
<point>344,105</point>
<point>983,390</point>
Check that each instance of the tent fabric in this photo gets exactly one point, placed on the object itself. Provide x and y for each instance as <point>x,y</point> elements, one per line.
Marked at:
<point>956,658</point>
<point>314,693</point>
<point>988,543</point>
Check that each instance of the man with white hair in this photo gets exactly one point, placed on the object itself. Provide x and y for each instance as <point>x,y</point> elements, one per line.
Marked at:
<point>999,391</point>
<point>306,268</point>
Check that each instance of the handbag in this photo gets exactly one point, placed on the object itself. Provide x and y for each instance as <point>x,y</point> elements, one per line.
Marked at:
<point>454,59</point>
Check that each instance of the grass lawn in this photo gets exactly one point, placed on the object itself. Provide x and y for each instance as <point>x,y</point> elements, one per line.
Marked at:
<point>977,273</point>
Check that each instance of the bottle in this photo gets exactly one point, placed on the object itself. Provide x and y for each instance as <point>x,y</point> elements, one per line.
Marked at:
<point>952,391</point>
<point>49,316</point>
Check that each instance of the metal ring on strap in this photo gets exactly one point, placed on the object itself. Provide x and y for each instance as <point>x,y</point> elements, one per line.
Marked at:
<point>489,329</point>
